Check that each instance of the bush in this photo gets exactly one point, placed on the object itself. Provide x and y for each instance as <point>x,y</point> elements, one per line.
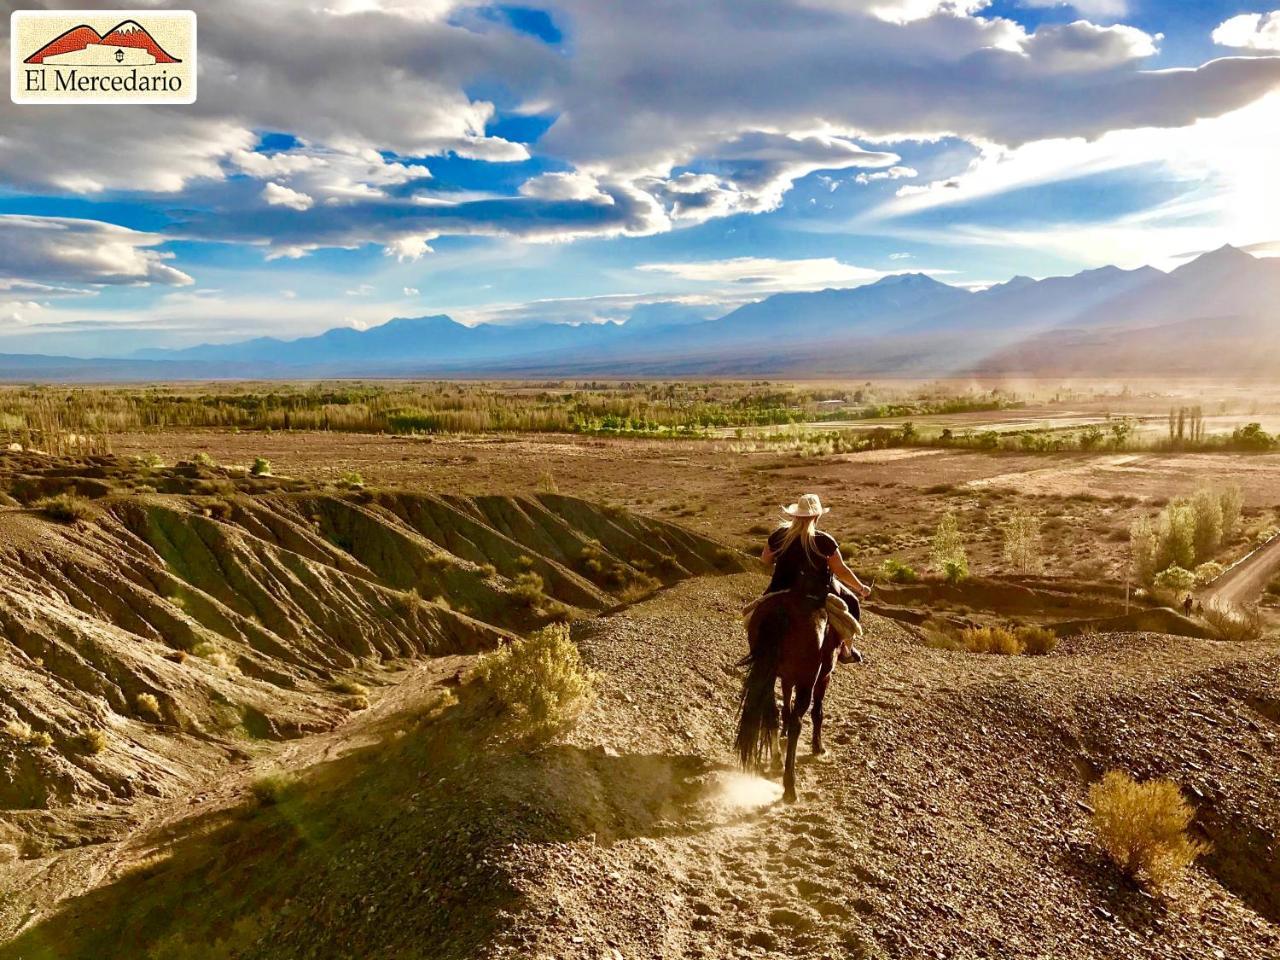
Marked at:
<point>1022,550</point>
<point>1206,573</point>
<point>527,588</point>
<point>946,553</point>
<point>1143,827</point>
<point>66,508</point>
<point>895,571</point>
<point>271,788</point>
<point>346,685</point>
<point>91,740</point>
<point>350,479</point>
<point>1229,622</point>
<point>955,569</point>
<point>1036,641</point>
<point>1175,580</point>
<point>261,467</point>
<point>147,706</point>
<point>1273,587</point>
<point>23,732</point>
<point>539,683</point>
<point>995,640</point>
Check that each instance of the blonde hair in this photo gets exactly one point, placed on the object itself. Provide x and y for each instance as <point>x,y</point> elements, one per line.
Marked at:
<point>803,529</point>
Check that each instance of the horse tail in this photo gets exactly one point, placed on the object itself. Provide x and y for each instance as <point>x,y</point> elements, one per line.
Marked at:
<point>757,707</point>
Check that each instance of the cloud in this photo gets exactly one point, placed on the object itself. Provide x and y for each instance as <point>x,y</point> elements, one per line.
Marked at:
<point>893,173</point>
<point>631,103</point>
<point>563,186</point>
<point>1082,46</point>
<point>335,176</point>
<point>380,79</point>
<point>766,274</point>
<point>280,196</point>
<point>406,228</point>
<point>62,250</point>
<point>1250,31</point>
<point>1090,8</point>
<point>411,291</point>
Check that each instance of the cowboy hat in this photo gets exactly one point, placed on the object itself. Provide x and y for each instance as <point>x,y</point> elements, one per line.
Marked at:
<point>807,506</point>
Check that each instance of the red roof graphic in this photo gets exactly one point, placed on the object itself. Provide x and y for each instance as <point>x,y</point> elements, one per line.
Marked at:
<point>125,34</point>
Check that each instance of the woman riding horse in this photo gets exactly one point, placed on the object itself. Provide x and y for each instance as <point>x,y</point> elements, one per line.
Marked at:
<point>787,629</point>
<point>804,558</point>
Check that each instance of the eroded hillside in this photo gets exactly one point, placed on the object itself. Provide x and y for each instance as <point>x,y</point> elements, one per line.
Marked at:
<point>145,639</point>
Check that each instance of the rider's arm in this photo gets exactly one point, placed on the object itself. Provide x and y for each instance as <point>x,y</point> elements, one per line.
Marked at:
<point>767,554</point>
<point>847,576</point>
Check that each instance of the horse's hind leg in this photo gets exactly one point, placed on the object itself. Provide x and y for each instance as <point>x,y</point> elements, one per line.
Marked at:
<point>795,719</point>
<point>781,728</point>
<point>819,694</point>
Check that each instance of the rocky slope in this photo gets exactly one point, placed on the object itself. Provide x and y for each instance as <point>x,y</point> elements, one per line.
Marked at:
<point>159,633</point>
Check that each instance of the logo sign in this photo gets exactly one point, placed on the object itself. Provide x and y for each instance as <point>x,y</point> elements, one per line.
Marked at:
<point>103,56</point>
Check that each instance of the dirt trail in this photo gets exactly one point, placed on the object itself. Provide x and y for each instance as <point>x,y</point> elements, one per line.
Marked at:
<point>1244,582</point>
<point>946,819</point>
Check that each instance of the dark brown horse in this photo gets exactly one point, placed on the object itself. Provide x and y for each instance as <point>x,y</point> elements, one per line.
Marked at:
<point>789,641</point>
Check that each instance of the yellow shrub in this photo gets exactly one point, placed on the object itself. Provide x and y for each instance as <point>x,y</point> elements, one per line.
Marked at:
<point>1143,827</point>
<point>1036,641</point>
<point>147,705</point>
<point>1230,622</point>
<point>990,640</point>
<point>540,683</point>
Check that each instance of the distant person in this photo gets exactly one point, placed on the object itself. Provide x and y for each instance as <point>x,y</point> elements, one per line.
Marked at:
<point>1187,605</point>
<point>808,560</point>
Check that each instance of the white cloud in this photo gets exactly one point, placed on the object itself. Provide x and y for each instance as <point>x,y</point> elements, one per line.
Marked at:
<point>411,291</point>
<point>336,176</point>
<point>64,250</point>
<point>1250,31</point>
<point>564,186</point>
<point>1216,162</point>
<point>1085,47</point>
<point>1090,8</point>
<point>281,196</point>
<point>767,274</point>
<point>893,173</point>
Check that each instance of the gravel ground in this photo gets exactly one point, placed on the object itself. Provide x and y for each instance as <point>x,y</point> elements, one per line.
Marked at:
<point>948,819</point>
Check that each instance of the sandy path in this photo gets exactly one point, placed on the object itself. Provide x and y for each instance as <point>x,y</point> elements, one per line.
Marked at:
<point>1243,583</point>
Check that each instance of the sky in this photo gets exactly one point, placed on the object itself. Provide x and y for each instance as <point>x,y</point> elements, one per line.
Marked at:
<point>350,161</point>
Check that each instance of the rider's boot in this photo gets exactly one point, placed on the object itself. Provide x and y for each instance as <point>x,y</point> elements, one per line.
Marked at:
<point>849,653</point>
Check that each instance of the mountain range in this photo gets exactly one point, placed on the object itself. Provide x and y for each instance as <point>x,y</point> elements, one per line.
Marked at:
<point>1214,315</point>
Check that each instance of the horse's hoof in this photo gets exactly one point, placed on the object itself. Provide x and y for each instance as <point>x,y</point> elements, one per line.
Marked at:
<point>819,750</point>
<point>789,796</point>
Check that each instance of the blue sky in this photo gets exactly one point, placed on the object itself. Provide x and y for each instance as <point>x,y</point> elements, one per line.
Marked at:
<point>350,161</point>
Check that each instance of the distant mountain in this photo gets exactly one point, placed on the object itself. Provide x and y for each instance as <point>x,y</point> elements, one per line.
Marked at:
<point>1215,314</point>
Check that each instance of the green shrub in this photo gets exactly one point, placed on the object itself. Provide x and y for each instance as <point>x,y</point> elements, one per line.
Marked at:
<point>147,706</point>
<point>527,588</point>
<point>955,570</point>
<point>261,467</point>
<point>1022,549</point>
<point>1143,827</point>
<point>203,459</point>
<point>1175,580</point>
<point>272,788</point>
<point>896,571</point>
<point>350,478</point>
<point>1206,573</point>
<point>67,508</point>
<point>540,684</point>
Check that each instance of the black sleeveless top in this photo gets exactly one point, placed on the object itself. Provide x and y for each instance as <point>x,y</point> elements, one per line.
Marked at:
<point>796,567</point>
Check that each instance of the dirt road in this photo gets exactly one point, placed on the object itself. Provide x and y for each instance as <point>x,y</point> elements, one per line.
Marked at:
<point>1244,582</point>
